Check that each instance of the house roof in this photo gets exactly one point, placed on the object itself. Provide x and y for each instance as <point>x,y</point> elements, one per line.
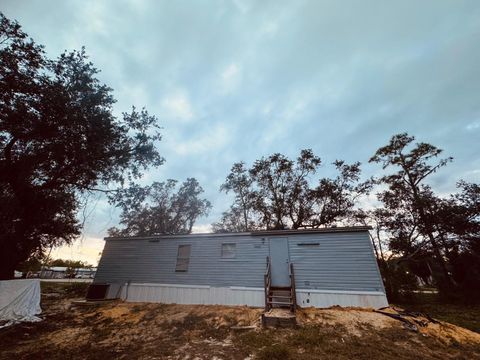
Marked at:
<point>253,233</point>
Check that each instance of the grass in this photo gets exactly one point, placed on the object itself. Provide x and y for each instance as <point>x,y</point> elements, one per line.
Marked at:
<point>275,352</point>
<point>71,289</point>
<point>467,316</point>
<point>197,324</point>
<point>315,341</point>
<point>154,331</point>
<point>255,340</point>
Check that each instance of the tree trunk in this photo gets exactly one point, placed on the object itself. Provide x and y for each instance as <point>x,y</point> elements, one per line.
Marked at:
<point>7,266</point>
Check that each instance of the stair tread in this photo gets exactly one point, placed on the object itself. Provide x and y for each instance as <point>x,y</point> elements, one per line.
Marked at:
<point>280,303</point>
<point>280,297</point>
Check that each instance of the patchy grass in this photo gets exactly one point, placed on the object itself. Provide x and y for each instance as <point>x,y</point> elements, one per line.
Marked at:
<point>467,316</point>
<point>315,335</point>
<point>253,340</point>
<point>275,352</point>
<point>159,331</point>
<point>323,342</point>
<point>67,289</point>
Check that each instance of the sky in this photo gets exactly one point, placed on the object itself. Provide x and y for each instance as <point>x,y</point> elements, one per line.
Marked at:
<point>237,80</point>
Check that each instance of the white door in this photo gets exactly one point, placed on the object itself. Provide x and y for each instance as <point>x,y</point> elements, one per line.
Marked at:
<point>279,262</point>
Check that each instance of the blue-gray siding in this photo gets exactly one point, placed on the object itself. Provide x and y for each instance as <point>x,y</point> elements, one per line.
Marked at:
<point>341,261</point>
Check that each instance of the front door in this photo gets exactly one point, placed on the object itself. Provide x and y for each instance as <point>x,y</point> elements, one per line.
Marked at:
<point>279,261</point>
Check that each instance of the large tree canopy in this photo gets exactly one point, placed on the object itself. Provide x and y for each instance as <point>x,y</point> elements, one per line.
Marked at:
<point>408,195</point>
<point>280,193</point>
<point>58,139</point>
<point>159,209</point>
<point>420,231</point>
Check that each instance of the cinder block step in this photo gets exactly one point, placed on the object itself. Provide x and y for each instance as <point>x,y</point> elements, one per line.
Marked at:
<point>279,318</point>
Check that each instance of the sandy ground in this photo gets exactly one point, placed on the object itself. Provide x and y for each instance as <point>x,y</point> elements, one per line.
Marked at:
<point>119,330</point>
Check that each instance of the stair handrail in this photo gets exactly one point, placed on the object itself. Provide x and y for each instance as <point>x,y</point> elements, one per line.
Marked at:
<point>267,281</point>
<point>292,287</point>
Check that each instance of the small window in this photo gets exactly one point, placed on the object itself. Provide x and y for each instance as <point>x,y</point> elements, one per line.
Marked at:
<point>183,258</point>
<point>228,251</point>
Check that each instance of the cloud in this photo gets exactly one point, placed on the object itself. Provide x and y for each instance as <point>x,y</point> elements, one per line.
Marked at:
<point>473,125</point>
<point>177,106</point>
<point>87,250</point>
<point>233,81</point>
<point>212,139</point>
<point>230,77</point>
<point>201,229</point>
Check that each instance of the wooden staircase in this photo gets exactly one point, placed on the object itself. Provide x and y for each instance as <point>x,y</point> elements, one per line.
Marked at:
<point>281,297</point>
<point>278,299</point>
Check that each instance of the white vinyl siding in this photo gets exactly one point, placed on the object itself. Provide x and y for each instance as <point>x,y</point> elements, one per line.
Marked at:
<point>343,261</point>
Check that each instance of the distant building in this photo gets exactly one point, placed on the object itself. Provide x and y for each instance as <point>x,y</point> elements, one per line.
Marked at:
<point>85,273</point>
<point>62,272</point>
<point>54,272</point>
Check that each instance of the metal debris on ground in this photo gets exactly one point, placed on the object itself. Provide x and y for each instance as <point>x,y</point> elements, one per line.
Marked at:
<point>411,320</point>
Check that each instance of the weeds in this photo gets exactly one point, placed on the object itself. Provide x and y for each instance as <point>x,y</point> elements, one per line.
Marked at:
<point>76,289</point>
<point>69,290</point>
<point>91,333</point>
<point>275,352</point>
<point>194,323</point>
<point>310,336</point>
<point>467,316</point>
<point>255,340</point>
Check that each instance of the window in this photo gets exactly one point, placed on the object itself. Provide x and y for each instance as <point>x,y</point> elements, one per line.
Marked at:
<point>228,251</point>
<point>183,258</point>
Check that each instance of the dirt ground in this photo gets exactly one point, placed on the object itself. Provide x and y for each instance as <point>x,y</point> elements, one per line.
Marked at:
<point>157,331</point>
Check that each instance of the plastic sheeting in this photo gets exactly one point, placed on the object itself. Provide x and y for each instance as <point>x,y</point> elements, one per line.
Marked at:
<point>19,301</point>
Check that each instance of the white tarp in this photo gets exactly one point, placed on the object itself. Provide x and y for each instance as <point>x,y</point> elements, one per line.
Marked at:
<point>19,301</point>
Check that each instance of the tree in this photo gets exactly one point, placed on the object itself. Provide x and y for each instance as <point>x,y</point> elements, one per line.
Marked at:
<point>282,191</point>
<point>240,216</point>
<point>408,193</point>
<point>158,209</point>
<point>74,264</point>
<point>33,264</point>
<point>335,199</point>
<point>400,257</point>
<point>459,228</point>
<point>58,140</point>
<point>233,220</point>
<point>276,193</point>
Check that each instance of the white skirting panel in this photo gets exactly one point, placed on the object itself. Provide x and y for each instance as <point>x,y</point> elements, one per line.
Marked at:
<point>327,298</point>
<point>207,295</point>
<point>192,294</point>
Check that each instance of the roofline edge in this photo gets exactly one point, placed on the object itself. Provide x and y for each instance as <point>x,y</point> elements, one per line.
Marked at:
<point>251,233</point>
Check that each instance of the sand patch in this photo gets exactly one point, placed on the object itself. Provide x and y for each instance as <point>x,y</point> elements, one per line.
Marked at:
<point>352,319</point>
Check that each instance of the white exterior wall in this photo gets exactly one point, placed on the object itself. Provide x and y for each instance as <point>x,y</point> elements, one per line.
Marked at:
<point>207,295</point>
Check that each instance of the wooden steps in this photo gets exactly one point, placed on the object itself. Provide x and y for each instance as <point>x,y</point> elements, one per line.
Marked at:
<point>281,297</point>
<point>280,302</point>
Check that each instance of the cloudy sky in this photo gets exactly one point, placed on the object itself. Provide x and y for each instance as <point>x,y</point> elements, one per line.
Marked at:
<point>237,80</point>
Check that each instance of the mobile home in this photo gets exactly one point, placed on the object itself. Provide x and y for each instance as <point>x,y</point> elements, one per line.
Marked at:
<point>322,267</point>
